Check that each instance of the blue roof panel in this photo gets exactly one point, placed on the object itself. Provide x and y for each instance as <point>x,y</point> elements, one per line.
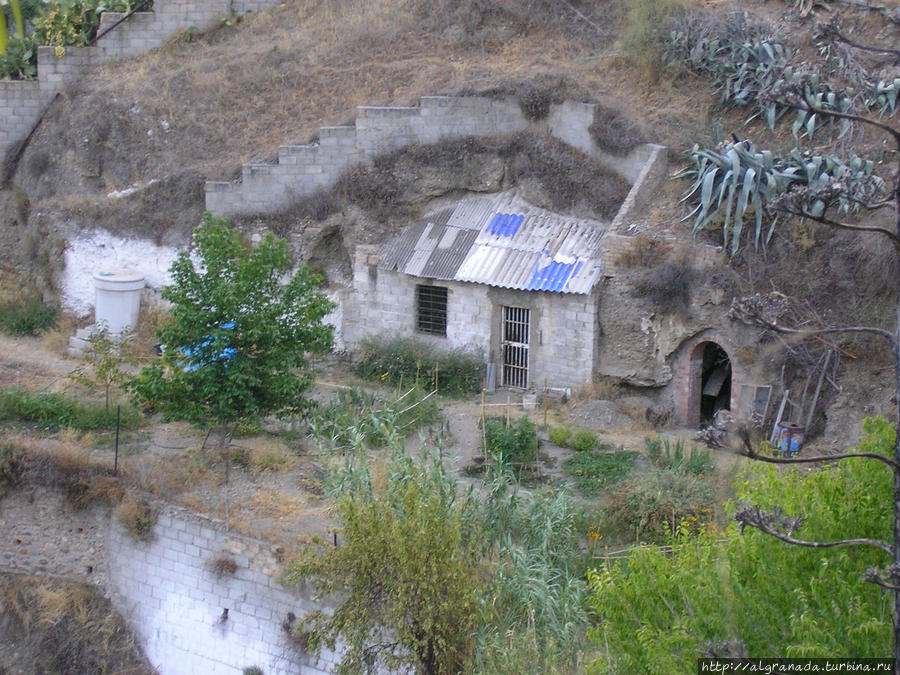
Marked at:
<point>505,224</point>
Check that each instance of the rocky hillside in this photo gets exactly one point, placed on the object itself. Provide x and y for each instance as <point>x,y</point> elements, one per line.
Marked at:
<point>129,147</point>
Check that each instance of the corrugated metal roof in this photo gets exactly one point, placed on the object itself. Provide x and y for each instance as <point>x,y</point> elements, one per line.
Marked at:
<point>502,242</point>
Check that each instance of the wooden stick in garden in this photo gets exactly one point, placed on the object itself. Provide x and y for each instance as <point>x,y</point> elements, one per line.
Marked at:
<point>545,404</point>
<point>507,411</point>
<point>483,422</point>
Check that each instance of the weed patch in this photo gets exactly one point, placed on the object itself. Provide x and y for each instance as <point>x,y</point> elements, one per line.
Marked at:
<point>593,471</point>
<point>138,517</point>
<point>672,456</point>
<point>516,444</point>
<point>662,500</point>
<point>51,412</point>
<point>27,316</point>
<point>560,436</point>
<point>355,419</point>
<point>585,440</point>
<point>411,362</point>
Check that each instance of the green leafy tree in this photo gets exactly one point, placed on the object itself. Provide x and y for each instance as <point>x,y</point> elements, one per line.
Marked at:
<point>105,360</point>
<point>406,573</point>
<point>236,347</point>
<point>727,594</point>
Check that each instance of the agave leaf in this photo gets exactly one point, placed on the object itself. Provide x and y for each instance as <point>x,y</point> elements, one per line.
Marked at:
<point>798,123</point>
<point>757,206</point>
<point>811,126</point>
<point>741,209</point>
<point>706,198</point>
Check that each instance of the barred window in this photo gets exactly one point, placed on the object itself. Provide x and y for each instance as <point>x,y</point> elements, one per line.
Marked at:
<point>431,310</point>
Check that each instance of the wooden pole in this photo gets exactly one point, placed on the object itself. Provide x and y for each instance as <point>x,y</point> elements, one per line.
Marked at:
<point>815,399</point>
<point>778,416</point>
<point>483,423</point>
<point>507,411</point>
<point>545,404</point>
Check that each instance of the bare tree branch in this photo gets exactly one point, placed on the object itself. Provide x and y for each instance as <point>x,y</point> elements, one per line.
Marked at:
<point>803,213</point>
<point>780,526</point>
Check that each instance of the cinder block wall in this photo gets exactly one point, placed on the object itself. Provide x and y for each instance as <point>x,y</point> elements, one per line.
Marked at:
<point>176,603</point>
<point>301,170</point>
<point>22,102</point>
<point>563,342</point>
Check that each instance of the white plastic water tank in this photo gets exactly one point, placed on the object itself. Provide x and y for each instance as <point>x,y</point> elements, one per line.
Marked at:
<point>118,298</point>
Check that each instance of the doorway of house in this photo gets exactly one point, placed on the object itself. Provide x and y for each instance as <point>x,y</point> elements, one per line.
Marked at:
<point>715,381</point>
<point>515,331</point>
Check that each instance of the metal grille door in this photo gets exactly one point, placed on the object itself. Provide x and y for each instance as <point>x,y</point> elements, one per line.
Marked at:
<point>516,328</point>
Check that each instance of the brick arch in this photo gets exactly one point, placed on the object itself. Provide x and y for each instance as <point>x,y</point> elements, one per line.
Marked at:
<point>688,382</point>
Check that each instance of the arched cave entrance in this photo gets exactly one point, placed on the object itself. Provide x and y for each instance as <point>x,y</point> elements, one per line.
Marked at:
<point>710,389</point>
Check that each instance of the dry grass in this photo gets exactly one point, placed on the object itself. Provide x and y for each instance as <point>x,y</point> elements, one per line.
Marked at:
<point>137,517</point>
<point>66,465</point>
<point>264,453</point>
<point>274,504</point>
<point>222,566</point>
<point>638,413</point>
<point>601,387</point>
<point>67,627</point>
<point>168,477</point>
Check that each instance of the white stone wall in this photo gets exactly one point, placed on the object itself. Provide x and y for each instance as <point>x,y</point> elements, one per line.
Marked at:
<point>176,604</point>
<point>563,326</point>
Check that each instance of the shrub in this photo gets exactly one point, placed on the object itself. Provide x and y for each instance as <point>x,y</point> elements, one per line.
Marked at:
<point>412,362</point>
<point>355,419</point>
<point>138,518</point>
<point>560,436</point>
<point>223,565</point>
<point>667,286</point>
<point>585,440</point>
<point>20,60</point>
<point>516,443</point>
<point>74,22</point>
<point>614,132</point>
<point>654,507</point>
<point>672,456</point>
<point>27,316</point>
<point>593,471</point>
<point>51,412</point>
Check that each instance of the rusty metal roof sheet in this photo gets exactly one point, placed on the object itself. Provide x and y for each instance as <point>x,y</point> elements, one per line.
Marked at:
<point>501,242</point>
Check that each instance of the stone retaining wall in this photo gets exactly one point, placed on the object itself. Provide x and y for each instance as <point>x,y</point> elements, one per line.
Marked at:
<point>167,589</point>
<point>22,102</point>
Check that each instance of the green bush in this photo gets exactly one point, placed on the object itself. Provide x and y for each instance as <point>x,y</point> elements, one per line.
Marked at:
<point>413,362</point>
<point>515,443</point>
<point>355,419</point>
<point>74,23</point>
<point>51,411</point>
<point>671,455</point>
<point>27,316</point>
<point>654,507</point>
<point>20,60</point>
<point>585,440</point>
<point>560,436</point>
<point>593,471</point>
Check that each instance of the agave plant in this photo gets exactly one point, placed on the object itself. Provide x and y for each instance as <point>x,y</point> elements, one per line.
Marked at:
<point>750,67</point>
<point>736,181</point>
